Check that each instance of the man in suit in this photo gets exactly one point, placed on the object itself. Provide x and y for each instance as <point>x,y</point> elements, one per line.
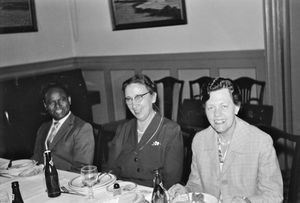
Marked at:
<point>232,160</point>
<point>69,138</point>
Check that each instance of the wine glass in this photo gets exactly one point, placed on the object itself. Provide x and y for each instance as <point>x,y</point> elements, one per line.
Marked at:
<point>89,175</point>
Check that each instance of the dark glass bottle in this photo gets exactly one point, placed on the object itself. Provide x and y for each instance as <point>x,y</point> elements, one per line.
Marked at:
<point>16,194</point>
<point>159,194</point>
<point>51,176</point>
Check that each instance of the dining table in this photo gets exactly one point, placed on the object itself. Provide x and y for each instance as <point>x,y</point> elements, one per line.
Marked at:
<point>33,189</point>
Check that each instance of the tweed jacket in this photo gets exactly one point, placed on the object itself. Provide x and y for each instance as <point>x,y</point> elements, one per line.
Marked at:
<point>160,147</point>
<point>72,146</point>
<point>250,168</point>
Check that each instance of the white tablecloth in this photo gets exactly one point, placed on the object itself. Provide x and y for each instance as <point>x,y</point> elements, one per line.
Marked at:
<point>33,189</point>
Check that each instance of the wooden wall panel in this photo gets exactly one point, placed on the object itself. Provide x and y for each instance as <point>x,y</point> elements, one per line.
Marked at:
<point>110,71</point>
<point>95,81</point>
<point>117,78</point>
<point>156,74</point>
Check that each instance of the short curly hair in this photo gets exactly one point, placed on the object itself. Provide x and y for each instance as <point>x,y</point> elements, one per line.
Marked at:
<point>220,83</point>
<point>141,79</point>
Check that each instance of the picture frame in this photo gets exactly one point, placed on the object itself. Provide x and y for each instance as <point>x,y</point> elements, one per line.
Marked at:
<point>132,14</point>
<point>17,16</point>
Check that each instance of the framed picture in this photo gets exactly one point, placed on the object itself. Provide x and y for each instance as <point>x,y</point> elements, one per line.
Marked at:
<point>17,16</point>
<point>131,14</point>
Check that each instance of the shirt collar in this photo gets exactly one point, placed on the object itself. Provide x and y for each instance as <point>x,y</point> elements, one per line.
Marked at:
<point>61,121</point>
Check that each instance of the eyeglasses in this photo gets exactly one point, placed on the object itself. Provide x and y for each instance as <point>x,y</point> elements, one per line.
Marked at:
<point>62,101</point>
<point>137,99</point>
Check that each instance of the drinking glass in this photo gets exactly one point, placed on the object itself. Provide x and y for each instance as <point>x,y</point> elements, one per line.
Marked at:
<point>4,197</point>
<point>89,175</point>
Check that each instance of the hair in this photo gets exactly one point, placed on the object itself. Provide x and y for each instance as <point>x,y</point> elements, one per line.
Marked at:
<point>144,80</point>
<point>54,86</point>
<point>220,83</point>
<point>141,79</point>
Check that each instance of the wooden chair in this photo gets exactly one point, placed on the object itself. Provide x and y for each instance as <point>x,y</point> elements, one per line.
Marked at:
<point>99,153</point>
<point>287,145</point>
<point>257,114</point>
<point>170,96</point>
<point>201,82</point>
<point>245,85</point>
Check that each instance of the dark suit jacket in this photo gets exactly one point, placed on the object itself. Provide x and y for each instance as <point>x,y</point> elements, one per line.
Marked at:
<point>72,146</point>
<point>135,161</point>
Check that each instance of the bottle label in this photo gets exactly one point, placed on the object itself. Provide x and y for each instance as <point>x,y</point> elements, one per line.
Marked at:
<point>13,196</point>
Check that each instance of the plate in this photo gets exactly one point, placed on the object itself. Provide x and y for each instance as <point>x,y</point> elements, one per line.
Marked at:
<point>17,166</point>
<point>103,180</point>
<point>35,170</point>
<point>125,186</point>
<point>131,197</point>
<point>186,198</point>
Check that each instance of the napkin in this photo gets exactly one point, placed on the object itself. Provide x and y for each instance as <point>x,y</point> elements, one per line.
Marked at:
<point>19,166</point>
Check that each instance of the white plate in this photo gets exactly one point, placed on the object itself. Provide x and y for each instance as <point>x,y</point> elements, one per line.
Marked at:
<point>103,180</point>
<point>207,198</point>
<point>125,186</point>
<point>131,197</point>
<point>35,170</point>
<point>17,166</point>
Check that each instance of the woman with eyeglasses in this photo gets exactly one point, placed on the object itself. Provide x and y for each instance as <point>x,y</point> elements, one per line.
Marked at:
<point>148,141</point>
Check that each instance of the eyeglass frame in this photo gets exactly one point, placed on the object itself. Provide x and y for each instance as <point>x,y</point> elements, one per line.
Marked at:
<point>137,98</point>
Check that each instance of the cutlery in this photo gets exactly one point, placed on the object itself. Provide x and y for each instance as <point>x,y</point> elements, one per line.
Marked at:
<point>5,175</point>
<point>9,164</point>
<point>65,190</point>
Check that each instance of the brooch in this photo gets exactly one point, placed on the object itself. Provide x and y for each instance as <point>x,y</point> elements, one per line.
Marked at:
<point>155,143</point>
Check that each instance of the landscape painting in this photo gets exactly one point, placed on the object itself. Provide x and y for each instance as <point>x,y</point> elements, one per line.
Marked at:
<point>130,14</point>
<point>17,16</point>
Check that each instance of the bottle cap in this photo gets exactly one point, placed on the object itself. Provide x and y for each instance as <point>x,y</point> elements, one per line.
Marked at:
<point>116,186</point>
<point>15,184</point>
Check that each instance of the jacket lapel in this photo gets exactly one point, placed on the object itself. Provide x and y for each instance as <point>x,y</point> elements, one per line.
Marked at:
<point>236,146</point>
<point>211,150</point>
<point>64,129</point>
<point>150,130</point>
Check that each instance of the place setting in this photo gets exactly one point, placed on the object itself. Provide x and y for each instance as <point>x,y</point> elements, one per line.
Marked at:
<point>20,168</point>
<point>90,181</point>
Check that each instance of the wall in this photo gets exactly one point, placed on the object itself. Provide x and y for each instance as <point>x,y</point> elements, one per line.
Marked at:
<point>213,25</point>
<point>54,39</point>
<point>83,28</point>
<point>295,62</point>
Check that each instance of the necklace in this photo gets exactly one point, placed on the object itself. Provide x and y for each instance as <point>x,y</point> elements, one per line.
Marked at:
<point>141,132</point>
<point>222,142</point>
<point>142,147</point>
<point>221,138</point>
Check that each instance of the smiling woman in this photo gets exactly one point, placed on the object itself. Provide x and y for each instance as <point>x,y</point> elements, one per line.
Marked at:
<point>147,142</point>
<point>17,16</point>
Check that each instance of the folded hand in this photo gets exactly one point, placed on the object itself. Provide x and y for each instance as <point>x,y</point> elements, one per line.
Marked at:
<point>176,190</point>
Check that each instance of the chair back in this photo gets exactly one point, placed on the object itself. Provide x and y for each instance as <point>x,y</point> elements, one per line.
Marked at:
<point>169,91</point>
<point>245,85</point>
<point>256,114</point>
<point>99,158</point>
<point>201,83</point>
<point>287,145</point>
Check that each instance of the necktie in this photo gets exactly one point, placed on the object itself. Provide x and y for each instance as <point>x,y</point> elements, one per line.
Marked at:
<point>52,133</point>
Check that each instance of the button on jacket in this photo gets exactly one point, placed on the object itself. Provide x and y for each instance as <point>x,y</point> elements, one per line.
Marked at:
<point>135,161</point>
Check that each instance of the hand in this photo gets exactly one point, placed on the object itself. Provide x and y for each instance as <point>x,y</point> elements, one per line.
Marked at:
<point>175,190</point>
<point>239,199</point>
